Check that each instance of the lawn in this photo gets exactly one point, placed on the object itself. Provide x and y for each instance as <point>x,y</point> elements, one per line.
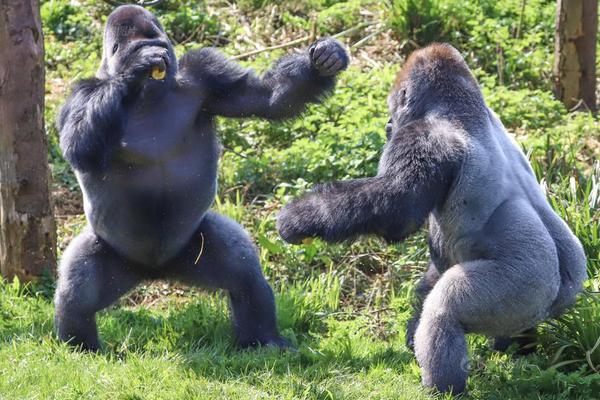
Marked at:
<point>345,306</point>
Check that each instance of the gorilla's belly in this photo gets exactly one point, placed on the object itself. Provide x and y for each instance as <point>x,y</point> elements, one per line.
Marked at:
<point>149,214</point>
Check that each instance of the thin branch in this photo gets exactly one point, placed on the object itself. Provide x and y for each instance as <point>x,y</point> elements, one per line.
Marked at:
<point>301,40</point>
<point>143,3</point>
<point>279,46</point>
<point>367,38</point>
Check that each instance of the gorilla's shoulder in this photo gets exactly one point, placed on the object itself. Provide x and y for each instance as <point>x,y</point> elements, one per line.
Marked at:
<point>87,85</point>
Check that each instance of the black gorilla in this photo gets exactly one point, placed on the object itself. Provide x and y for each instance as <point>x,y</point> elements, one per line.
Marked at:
<point>501,260</point>
<point>141,139</point>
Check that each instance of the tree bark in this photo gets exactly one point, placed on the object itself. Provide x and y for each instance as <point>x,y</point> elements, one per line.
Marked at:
<point>27,228</point>
<point>575,53</point>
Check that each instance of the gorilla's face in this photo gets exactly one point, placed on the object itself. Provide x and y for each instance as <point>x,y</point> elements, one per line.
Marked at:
<point>130,30</point>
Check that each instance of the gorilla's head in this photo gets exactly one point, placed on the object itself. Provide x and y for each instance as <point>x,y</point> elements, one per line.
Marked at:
<point>433,78</point>
<point>128,30</point>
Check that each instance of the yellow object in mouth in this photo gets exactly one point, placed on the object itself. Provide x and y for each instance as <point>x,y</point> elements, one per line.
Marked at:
<point>158,73</point>
<point>307,240</point>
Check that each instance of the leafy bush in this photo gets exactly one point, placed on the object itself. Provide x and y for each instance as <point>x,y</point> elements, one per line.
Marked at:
<point>574,338</point>
<point>339,139</point>
<point>65,20</point>
<point>499,37</point>
<point>426,21</point>
<point>524,108</point>
<point>187,21</point>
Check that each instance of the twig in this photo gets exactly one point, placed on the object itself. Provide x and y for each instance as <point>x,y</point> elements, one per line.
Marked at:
<point>500,64</point>
<point>142,3</point>
<point>520,26</point>
<point>353,29</point>
<point>300,40</point>
<point>201,249</point>
<point>367,38</point>
<point>279,46</point>
<point>193,35</point>
<point>234,152</point>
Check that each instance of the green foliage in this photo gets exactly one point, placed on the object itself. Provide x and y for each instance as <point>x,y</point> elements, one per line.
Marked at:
<point>345,306</point>
<point>576,199</point>
<point>312,148</point>
<point>65,21</point>
<point>575,337</point>
<point>524,108</point>
<point>500,37</point>
<point>426,21</point>
<point>187,21</point>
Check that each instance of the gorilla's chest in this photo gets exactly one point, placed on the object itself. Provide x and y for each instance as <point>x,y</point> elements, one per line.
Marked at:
<point>160,130</point>
<point>160,182</point>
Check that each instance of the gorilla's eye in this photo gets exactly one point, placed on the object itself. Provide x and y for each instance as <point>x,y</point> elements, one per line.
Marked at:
<point>115,48</point>
<point>402,97</point>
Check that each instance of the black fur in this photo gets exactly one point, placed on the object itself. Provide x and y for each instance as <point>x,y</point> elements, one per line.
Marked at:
<point>414,176</point>
<point>145,154</point>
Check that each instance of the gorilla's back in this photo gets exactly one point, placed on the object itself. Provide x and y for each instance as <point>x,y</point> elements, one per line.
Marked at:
<point>497,196</point>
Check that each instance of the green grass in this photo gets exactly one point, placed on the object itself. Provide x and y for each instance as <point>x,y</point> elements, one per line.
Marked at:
<point>343,306</point>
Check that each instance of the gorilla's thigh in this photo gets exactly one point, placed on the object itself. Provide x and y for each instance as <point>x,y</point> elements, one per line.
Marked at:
<point>494,298</point>
<point>91,276</point>
<point>221,255</point>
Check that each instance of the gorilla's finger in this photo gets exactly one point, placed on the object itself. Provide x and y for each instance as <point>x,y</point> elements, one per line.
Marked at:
<point>337,66</point>
<point>318,50</point>
<point>324,58</point>
<point>331,61</point>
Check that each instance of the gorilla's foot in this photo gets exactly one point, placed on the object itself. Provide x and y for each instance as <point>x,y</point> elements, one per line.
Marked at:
<point>81,334</point>
<point>275,341</point>
<point>526,342</point>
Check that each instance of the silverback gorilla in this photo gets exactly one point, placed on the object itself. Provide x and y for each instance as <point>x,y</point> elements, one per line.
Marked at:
<point>141,139</point>
<point>501,260</point>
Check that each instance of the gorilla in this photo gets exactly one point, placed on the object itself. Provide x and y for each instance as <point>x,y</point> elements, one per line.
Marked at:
<point>501,260</point>
<point>141,139</point>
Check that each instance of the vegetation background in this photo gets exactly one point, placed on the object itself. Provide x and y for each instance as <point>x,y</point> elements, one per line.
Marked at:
<point>344,306</point>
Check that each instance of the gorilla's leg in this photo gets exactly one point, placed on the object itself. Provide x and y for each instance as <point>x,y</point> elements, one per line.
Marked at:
<point>526,342</point>
<point>221,255</point>
<point>481,296</point>
<point>423,287</point>
<point>91,276</point>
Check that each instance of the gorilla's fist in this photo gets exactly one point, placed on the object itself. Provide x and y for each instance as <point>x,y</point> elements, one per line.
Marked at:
<point>299,220</point>
<point>328,56</point>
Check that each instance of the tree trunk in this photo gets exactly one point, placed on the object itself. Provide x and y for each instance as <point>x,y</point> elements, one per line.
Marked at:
<point>575,53</point>
<point>27,228</point>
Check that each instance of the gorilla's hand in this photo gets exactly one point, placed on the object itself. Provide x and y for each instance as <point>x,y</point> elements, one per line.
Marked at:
<point>328,56</point>
<point>299,220</point>
<point>142,61</point>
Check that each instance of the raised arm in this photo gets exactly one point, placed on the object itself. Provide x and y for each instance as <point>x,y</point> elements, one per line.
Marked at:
<point>90,122</point>
<point>415,172</point>
<point>282,92</point>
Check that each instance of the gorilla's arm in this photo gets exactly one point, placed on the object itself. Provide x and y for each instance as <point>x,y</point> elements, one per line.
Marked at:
<point>346,209</point>
<point>282,92</point>
<point>89,123</point>
<point>415,172</point>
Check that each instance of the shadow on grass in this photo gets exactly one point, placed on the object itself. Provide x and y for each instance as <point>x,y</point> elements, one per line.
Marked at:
<point>198,334</point>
